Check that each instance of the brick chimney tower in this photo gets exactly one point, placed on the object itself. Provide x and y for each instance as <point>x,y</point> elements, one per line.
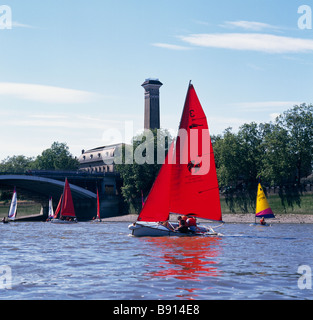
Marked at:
<point>152,103</point>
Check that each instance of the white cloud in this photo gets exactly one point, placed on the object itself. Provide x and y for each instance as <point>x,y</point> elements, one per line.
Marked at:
<point>203,23</point>
<point>46,94</point>
<point>16,24</point>
<point>170,46</point>
<point>250,41</point>
<point>249,25</point>
<point>58,121</point>
<point>80,125</point>
<point>48,116</point>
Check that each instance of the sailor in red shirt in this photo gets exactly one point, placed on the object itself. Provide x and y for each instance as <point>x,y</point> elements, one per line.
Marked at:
<point>192,224</point>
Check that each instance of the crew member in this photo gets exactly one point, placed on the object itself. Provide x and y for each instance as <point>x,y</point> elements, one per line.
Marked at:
<point>262,221</point>
<point>182,226</point>
<point>192,224</point>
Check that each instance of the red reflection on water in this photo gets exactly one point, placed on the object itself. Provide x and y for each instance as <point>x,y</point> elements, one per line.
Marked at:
<point>185,258</point>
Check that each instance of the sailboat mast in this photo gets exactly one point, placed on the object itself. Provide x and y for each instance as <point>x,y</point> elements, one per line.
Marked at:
<point>63,195</point>
<point>98,204</point>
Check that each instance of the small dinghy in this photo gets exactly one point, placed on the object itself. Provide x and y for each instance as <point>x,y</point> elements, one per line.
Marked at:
<point>98,217</point>
<point>13,209</point>
<point>263,209</point>
<point>65,207</point>
<point>158,229</point>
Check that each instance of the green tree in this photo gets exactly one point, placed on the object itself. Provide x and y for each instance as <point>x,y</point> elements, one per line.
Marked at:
<point>277,164</point>
<point>289,147</point>
<point>238,157</point>
<point>16,164</point>
<point>252,150</point>
<point>139,175</point>
<point>57,157</point>
<point>228,158</point>
<point>298,123</point>
<point>289,153</point>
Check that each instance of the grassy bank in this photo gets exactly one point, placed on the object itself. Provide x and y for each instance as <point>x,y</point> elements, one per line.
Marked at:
<point>306,206</point>
<point>24,208</point>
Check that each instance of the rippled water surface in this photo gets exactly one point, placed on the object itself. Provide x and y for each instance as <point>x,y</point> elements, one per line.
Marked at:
<point>102,261</point>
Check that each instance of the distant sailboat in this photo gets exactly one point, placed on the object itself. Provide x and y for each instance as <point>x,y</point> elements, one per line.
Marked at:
<point>13,207</point>
<point>67,211</point>
<point>98,217</point>
<point>51,212</point>
<point>184,187</point>
<point>263,209</point>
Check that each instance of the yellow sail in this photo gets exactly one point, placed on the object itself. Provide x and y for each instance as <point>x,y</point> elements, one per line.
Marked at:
<point>263,209</point>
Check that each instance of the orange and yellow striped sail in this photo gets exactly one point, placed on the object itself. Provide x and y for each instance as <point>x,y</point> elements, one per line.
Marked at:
<point>263,209</point>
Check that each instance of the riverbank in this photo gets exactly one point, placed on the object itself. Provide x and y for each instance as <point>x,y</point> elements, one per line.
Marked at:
<point>24,208</point>
<point>30,209</point>
<point>231,218</point>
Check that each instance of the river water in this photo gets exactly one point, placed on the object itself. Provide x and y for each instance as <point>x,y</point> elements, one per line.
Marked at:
<point>102,261</point>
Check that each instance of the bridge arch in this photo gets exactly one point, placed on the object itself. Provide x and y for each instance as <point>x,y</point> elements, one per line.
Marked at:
<point>39,189</point>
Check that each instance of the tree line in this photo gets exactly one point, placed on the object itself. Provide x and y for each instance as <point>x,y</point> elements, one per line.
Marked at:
<point>279,154</point>
<point>57,157</point>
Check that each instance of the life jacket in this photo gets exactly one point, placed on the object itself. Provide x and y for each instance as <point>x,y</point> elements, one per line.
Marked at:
<point>192,222</point>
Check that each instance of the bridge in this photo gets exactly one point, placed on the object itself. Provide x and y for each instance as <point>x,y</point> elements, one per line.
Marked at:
<point>39,186</point>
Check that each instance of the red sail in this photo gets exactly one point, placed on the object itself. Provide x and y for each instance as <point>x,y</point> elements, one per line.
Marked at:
<point>187,183</point>
<point>156,207</point>
<point>67,209</point>
<point>58,207</point>
<point>194,186</point>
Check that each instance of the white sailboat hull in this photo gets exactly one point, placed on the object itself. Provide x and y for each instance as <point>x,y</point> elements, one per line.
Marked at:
<point>154,229</point>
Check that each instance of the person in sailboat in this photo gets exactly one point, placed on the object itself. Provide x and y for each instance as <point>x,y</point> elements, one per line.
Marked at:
<point>192,223</point>
<point>182,224</point>
<point>262,221</point>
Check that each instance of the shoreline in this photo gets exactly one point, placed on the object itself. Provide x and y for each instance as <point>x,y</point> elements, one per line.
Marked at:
<point>231,218</point>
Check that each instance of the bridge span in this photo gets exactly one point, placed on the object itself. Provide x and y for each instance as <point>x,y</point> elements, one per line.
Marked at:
<point>40,186</point>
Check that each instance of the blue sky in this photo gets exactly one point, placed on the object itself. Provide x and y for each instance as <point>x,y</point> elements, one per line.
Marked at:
<point>71,71</point>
